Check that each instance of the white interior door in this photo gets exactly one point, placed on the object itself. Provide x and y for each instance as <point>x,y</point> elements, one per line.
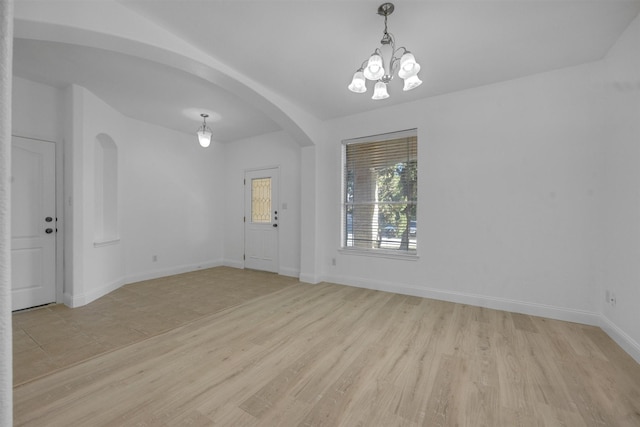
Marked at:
<point>33,223</point>
<point>261,220</point>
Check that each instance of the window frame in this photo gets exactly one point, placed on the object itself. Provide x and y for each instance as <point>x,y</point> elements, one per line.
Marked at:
<point>405,254</point>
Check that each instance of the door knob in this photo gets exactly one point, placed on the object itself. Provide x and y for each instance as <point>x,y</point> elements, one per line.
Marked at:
<point>49,230</point>
<point>275,225</point>
<point>48,219</point>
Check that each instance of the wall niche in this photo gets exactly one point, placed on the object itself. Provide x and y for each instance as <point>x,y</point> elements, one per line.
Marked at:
<point>106,191</point>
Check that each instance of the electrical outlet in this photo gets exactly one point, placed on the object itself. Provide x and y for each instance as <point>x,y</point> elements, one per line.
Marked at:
<point>154,258</point>
<point>613,300</point>
<point>333,261</point>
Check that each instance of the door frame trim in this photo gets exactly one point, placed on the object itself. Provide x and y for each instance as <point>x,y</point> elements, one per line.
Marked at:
<point>59,203</point>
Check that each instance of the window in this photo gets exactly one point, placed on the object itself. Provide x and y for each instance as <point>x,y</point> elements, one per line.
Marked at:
<point>261,200</point>
<point>381,193</point>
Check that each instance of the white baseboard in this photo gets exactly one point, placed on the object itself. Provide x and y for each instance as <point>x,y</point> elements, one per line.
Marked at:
<point>70,301</point>
<point>312,279</point>
<point>233,263</point>
<point>284,271</point>
<point>627,343</point>
<point>148,275</point>
<point>103,290</point>
<point>560,313</point>
<point>74,301</point>
<point>289,272</point>
<point>515,306</point>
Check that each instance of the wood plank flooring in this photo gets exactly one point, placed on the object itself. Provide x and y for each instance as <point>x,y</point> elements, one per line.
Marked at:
<point>329,355</point>
<point>49,338</point>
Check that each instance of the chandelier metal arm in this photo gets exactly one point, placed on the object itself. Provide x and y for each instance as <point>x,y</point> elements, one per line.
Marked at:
<point>395,59</point>
<point>364,64</point>
<point>404,50</point>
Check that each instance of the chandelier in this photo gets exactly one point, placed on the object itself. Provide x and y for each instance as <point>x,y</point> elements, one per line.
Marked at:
<point>381,66</point>
<point>204,132</point>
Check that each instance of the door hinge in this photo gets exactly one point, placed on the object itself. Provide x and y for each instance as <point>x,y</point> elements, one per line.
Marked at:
<point>245,181</point>
<point>244,257</point>
<point>244,219</point>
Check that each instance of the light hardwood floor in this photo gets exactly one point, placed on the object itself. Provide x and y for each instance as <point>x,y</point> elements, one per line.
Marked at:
<point>53,337</point>
<point>311,355</point>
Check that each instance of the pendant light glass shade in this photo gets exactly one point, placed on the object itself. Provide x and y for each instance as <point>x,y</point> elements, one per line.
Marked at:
<point>408,66</point>
<point>411,82</point>
<point>358,84</point>
<point>374,69</point>
<point>204,137</point>
<point>380,91</point>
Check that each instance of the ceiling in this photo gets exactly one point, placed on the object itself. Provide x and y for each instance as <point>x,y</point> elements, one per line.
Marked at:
<point>308,50</point>
<point>141,89</point>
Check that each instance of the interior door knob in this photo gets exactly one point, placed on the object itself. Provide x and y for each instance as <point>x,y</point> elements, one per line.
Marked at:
<point>49,230</point>
<point>275,225</point>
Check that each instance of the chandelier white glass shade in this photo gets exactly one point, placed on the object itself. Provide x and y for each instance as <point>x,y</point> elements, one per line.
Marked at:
<point>204,132</point>
<point>380,91</point>
<point>384,62</point>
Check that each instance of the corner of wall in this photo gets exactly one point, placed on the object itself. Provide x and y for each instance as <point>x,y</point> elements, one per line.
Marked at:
<point>309,278</point>
<point>619,244</point>
<point>74,300</point>
<point>627,343</point>
<point>233,263</point>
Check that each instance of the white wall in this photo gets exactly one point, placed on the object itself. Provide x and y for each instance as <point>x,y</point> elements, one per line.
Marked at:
<point>276,149</point>
<point>6,354</point>
<point>508,196</point>
<point>309,243</point>
<point>169,191</point>
<point>168,197</point>
<point>94,270</point>
<point>172,202</point>
<point>620,255</point>
<point>36,110</point>
<point>176,199</point>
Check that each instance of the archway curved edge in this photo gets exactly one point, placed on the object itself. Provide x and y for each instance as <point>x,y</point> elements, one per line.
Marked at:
<point>147,40</point>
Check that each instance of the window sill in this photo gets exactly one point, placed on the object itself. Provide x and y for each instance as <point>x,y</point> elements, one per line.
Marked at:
<point>378,253</point>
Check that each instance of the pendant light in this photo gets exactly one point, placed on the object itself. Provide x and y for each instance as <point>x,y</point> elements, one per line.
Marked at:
<point>204,132</point>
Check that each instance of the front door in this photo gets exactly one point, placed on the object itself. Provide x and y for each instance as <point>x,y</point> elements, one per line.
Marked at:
<point>33,223</point>
<point>261,220</point>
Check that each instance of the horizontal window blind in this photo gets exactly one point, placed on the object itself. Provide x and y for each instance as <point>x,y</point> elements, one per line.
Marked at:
<point>380,193</point>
